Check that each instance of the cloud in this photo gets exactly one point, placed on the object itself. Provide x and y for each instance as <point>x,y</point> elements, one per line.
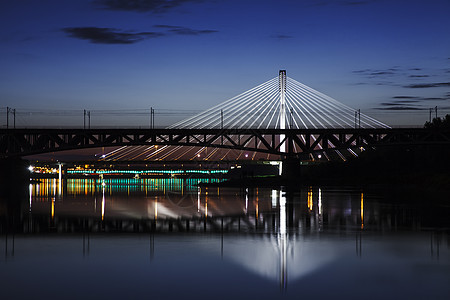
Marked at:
<point>401,102</point>
<point>385,77</point>
<point>361,71</point>
<point>179,30</point>
<point>390,104</point>
<point>410,102</point>
<point>399,105</point>
<point>413,99</point>
<point>399,108</point>
<point>406,77</point>
<point>155,6</point>
<point>404,97</point>
<point>99,35</point>
<point>434,98</point>
<point>381,73</point>
<point>373,73</point>
<point>427,85</point>
<point>418,76</point>
<point>281,36</point>
<point>354,3</point>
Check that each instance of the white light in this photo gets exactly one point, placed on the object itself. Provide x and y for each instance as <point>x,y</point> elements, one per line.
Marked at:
<point>31,168</point>
<point>31,194</point>
<point>103,156</point>
<point>246,200</point>
<point>59,179</point>
<point>283,218</point>
<point>246,155</point>
<point>274,198</point>
<point>103,204</point>
<point>198,155</point>
<point>198,199</point>
<point>320,201</point>
<point>319,156</point>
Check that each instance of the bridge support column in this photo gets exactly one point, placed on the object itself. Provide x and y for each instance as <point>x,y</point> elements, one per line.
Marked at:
<point>14,191</point>
<point>14,171</point>
<point>291,168</point>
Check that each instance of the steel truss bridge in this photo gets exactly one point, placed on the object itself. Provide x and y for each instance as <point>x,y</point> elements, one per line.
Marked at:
<point>277,119</point>
<point>298,142</point>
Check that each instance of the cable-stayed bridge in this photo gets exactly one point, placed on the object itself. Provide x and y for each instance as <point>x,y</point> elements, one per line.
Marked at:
<point>274,120</point>
<point>281,103</point>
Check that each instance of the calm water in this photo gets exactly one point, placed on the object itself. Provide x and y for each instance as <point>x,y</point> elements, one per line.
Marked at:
<point>169,239</point>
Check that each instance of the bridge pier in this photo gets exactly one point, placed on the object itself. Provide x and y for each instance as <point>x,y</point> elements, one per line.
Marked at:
<point>14,174</point>
<point>291,168</point>
<point>14,192</point>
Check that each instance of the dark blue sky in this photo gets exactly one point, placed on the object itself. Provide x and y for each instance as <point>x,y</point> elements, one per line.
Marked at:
<point>382,56</point>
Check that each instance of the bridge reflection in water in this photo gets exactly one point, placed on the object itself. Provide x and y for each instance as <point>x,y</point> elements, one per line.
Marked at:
<point>180,205</point>
<point>282,235</point>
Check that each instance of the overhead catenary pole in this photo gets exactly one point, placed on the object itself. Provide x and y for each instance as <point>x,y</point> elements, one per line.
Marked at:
<point>7,117</point>
<point>84,119</point>
<point>359,118</point>
<point>14,116</point>
<point>153,118</point>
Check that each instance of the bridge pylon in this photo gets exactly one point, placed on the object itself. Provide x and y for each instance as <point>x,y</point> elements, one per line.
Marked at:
<point>282,86</point>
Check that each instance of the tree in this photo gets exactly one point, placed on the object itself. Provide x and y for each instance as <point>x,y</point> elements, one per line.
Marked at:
<point>439,123</point>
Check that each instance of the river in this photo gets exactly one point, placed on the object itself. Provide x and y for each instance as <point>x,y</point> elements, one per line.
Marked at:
<point>174,239</point>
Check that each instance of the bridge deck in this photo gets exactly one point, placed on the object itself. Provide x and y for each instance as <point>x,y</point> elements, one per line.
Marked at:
<point>27,141</point>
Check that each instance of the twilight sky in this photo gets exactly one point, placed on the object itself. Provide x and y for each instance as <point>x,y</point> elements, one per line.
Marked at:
<point>389,58</point>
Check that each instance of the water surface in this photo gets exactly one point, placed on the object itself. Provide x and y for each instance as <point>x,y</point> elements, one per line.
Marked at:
<point>170,239</point>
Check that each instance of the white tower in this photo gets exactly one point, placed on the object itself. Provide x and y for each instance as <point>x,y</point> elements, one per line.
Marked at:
<point>282,85</point>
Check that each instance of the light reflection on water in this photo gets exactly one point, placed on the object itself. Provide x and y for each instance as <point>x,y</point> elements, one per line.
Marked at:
<point>169,238</point>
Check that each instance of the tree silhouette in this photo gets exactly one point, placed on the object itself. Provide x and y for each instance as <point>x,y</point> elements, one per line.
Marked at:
<point>439,122</point>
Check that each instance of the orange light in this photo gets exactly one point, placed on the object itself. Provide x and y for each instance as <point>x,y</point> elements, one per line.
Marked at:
<point>310,201</point>
<point>53,208</point>
<point>362,210</point>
